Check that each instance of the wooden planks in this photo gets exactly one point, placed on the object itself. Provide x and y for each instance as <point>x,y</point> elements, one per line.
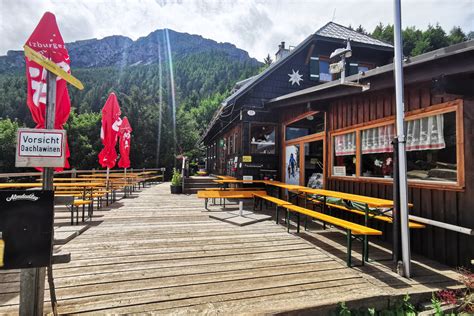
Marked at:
<point>162,253</point>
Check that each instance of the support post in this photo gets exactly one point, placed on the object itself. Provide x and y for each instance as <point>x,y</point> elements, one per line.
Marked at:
<point>32,280</point>
<point>400,115</point>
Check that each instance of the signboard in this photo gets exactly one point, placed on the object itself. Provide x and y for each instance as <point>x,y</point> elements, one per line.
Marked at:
<point>51,66</point>
<point>248,178</point>
<point>26,223</point>
<point>246,158</point>
<point>339,171</point>
<point>336,67</point>
<point>40,148</point>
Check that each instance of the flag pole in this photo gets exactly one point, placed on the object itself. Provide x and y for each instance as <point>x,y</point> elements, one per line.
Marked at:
<point>107,184</point>
<point>400,115</point>
<point>126,181</point>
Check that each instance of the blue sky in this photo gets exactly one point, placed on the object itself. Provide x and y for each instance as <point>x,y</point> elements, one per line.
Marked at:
<point>256,26</point>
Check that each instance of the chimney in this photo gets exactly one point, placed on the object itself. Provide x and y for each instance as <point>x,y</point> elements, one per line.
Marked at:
<point>282,51</point>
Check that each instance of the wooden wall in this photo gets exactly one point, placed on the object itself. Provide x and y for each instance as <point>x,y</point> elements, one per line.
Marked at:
<point>454,207</point>
<point>450,206</point>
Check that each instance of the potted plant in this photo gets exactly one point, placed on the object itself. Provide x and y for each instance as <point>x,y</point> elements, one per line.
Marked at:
<point>176,182</point>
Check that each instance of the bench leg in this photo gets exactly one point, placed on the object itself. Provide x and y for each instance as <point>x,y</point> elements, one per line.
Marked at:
<point>205,204</point>
<point>288,220</point>
<point>276,212</point>
<point>298,226</point>
<point>306,222</point>
<point>72,214</point>
<point>77,215</point>
<point>365,249</point>
<point>349,248</point>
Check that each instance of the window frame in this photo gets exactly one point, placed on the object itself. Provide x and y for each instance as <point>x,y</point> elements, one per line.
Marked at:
<point>441,108</point>
<point>258,123</point>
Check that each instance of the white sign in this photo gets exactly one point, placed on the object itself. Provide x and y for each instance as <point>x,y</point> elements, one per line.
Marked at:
<point>248,178</point>
<point>250,112</point>
<point>40,148</point>
<point>339,171</point>
<point>336,67</point>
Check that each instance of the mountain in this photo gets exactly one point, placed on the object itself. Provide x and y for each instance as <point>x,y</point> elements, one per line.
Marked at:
<point>204,71</point>
<point>122,51</point>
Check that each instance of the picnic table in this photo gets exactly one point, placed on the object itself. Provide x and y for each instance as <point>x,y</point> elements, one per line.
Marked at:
<point>368,202</point>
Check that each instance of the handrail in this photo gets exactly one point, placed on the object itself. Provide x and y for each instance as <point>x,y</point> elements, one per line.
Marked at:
<point>71,171</point>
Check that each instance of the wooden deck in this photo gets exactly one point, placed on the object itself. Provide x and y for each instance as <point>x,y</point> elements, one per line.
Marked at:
<point>162,253</point>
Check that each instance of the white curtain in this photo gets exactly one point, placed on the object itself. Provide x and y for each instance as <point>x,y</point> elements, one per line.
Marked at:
<point>426,133</point>
<point>378,139</point>
<point>345,145</point>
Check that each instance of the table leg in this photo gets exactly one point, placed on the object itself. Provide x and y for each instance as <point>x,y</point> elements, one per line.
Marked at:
<point>349,248</point>
<point>366,238</point>
<point>324,210</point>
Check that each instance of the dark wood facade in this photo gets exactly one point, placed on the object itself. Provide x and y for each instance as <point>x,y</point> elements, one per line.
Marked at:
<point>449,204</point>
<point>435,82</point>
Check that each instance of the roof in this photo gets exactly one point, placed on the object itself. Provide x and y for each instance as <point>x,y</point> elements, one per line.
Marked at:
<point>423,58</point>
<point>330,30</point>
<point>334,30</point>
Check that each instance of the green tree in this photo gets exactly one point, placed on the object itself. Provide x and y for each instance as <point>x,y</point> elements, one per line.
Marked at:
<point>83,131</point>
<point>8,130</point>
<point>456,35</point>
<point>267,60</point>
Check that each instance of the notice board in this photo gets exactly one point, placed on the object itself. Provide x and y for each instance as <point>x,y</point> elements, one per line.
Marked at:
<point>26,223</point>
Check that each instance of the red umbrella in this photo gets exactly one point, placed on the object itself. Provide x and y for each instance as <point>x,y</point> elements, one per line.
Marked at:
<point>125,131</point>
<point>110,127</point>
<point>47,40</point>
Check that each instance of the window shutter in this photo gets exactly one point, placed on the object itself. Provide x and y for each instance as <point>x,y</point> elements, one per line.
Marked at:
<point>314,69</point>
<point>353,69</point>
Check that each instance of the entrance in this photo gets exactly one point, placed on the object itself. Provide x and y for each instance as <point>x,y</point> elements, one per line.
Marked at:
<point>304,151</point>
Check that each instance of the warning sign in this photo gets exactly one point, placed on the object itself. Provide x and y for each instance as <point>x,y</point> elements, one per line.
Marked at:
<point>40,148</point>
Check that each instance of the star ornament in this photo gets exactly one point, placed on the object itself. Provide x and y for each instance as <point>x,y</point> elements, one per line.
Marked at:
<point>295,77</point>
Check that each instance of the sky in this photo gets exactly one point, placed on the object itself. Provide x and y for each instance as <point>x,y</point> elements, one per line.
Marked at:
<point>256,26</point>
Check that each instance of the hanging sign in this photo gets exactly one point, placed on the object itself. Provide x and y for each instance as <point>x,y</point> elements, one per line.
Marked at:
<point>246,158</point>
<point>251,113</point>
<point>40,147</point>
<point>339,171</point>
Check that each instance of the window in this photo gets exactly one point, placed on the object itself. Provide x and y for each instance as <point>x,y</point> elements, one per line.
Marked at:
<point>310,124</point>
<point>319,69</point>
<point>434,148</point>
<point>377,151</point>
<point>262,139</point>
<point>314,164</point>
<point>431,148</point>
<point>344,163</point>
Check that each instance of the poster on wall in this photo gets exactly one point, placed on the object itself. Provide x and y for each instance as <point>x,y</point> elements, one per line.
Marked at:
<point>292,165</point>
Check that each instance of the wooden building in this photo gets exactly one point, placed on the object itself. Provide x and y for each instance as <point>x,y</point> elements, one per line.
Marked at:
<point>336,136</point>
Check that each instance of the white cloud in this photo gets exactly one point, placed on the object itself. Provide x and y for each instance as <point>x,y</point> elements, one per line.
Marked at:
<point>256,26</point>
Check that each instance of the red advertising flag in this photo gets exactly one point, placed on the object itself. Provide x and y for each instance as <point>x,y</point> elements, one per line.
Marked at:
<point>47,40</point>
<point>125,138</point>
<point>110,127</point>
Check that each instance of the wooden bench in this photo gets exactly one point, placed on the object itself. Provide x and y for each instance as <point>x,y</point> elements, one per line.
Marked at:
<point>352,230</point>
<point>383,218</point>
<point>223,194</point>
<point>263,196</point>
<point>234,189</point>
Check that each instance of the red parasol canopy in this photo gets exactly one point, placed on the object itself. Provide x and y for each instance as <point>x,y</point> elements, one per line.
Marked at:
<point>125,131</point>
<point>110,126</point>
<point>47,40</point>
